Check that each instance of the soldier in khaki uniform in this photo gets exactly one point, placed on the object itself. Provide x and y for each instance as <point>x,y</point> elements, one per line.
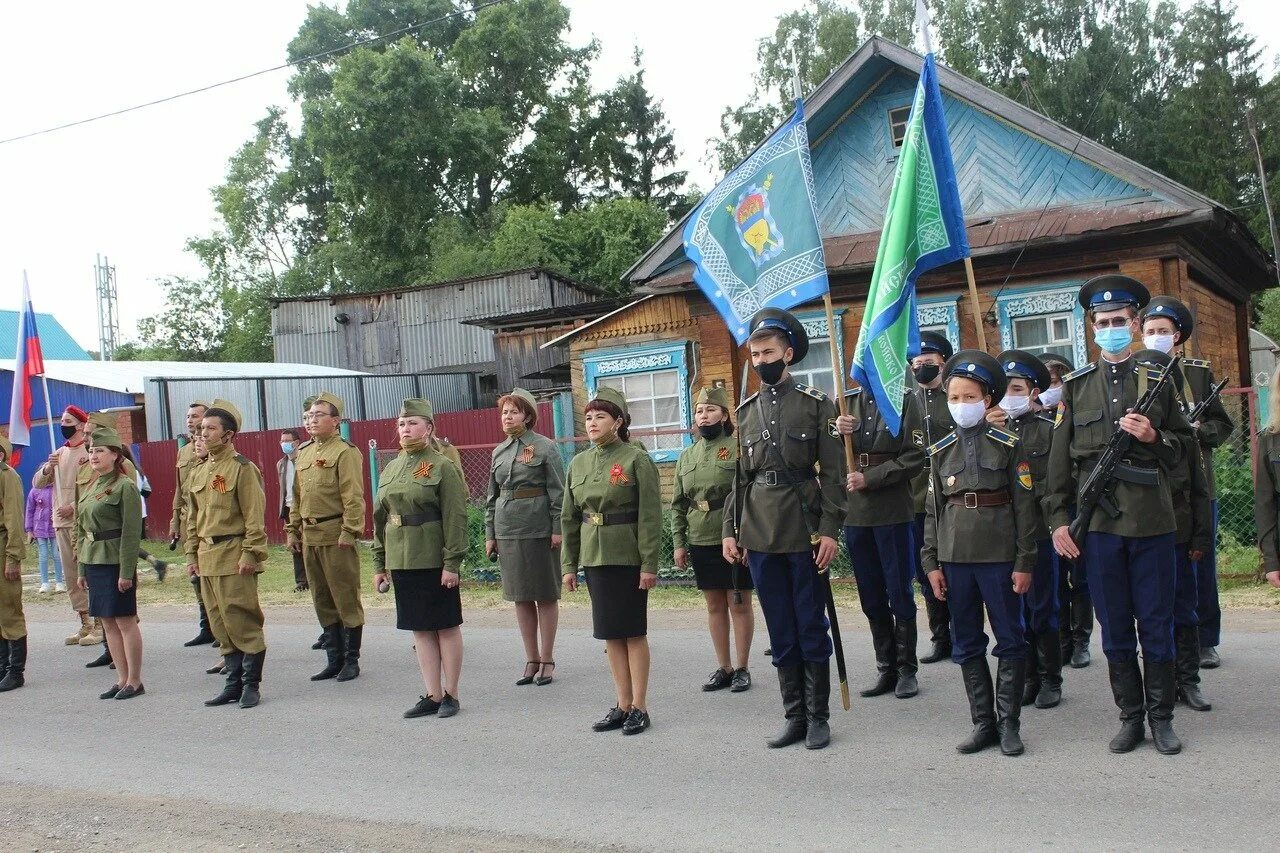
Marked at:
<point>704,479</point>
<point>13,548</point>
<point>177,524</point>
<point>226,544</point>
<point>325,522</point>
<point>62,471</point>
<point>979,547</point>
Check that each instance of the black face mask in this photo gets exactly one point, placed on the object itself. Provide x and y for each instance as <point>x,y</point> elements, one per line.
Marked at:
<point>711,431</point>
<point>770,372</point>
<point>925,373</point>
<point>68,432</point>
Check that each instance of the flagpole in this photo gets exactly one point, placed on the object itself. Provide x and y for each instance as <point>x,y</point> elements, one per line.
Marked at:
<point>973,305</point>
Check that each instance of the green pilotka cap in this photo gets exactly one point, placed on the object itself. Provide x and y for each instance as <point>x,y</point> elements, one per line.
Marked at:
<point>612,395</point>
<point>6,446</point>
<point>714,397</point>
<point>308,403</point>
<point>104,437</point>
<point>230,409</point>
<point>332,399</point>
<point>526,396</point>
<point>103,420</point>
<point>416,407</point>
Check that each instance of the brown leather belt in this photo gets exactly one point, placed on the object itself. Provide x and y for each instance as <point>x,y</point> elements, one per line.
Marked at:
<point>973,500</point>
<point>867,460</point>
<point>708,506</point>
<point>520,494</point>
<point>312,522</point>
<point>608,519</point>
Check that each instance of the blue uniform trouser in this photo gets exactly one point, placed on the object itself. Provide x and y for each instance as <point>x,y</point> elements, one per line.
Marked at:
<point>937,609</point>
<point>793,600</point>
<point>1131,579</point>
<point>1185,590</point>
<point>883,566</point>
<point>1208,608</point>
<point>1040,604</point>
<point>970,586</point>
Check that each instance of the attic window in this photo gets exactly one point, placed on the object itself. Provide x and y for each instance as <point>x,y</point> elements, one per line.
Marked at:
<point>898,117</point>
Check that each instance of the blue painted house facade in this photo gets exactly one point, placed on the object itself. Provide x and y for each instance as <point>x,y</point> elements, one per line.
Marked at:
<point>1045,210</point>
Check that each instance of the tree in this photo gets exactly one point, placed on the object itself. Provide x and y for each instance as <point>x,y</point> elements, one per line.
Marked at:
<point>191,327</point>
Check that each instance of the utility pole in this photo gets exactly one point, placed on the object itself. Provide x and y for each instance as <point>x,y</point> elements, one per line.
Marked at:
<point>1266,194</point>
<point>104,277</point>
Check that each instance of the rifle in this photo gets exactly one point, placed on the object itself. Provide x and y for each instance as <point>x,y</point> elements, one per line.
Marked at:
<point>1099,489</point>
<point>1199,409</point>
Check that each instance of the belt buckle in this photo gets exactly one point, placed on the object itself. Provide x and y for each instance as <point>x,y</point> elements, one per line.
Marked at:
<point>970,500</point>
<point>395,519</point>
<point>771,478</point>
<point>703,506</point>
<point>89,534</point>
<point>864,460</point>
<point>595,518</point>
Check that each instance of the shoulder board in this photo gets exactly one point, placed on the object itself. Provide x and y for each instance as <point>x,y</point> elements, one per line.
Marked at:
<point>1196,362</point>
<point>1047,416</point>
<point>748,400</point>
<point>810,391</point>
<point>1000,436</point>
<point>306,443</point>
<point>347,443</point>
<point>1153,371</point>
<point>852,392</point>
<point>446,442</point>
<point>243,460</point>
<point>1075,374</point>
<point>941,443</point>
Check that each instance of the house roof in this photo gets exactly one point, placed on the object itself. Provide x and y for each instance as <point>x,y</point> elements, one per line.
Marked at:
<point>548,316</point>
<point>55,341</point>
<point>833,100</point>
<point>130,377</point>
<point>329,297</point>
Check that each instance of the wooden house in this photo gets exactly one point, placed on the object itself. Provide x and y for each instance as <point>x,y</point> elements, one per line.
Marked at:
<point>1045,210</point>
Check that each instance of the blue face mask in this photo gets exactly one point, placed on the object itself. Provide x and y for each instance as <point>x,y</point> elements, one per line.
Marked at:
<point>286,447</point>
<point>1113,340</point>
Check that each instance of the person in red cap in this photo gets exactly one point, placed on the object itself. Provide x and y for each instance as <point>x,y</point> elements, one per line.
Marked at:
<point>60,471</point>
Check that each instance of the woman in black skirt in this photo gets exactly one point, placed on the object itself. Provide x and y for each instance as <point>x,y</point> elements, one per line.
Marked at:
<point>108,539</point>
<point>419,540</point>
<point>704,480</point>
<point>612,526</point>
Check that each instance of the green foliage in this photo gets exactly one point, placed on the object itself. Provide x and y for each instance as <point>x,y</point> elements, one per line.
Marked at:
<point>1234,480</point>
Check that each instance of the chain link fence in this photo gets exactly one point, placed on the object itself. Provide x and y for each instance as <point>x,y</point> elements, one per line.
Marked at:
<point>1233,470</point>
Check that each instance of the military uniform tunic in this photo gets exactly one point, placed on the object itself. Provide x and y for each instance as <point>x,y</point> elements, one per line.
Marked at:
<point>1041,607</point>
<point>63,476</point>
<point>522,513</point>
<point>13,623</point>
<point>225,529</point>
<point>110,503</point>
<point>186,460</point>
<point>420,514</point>
<point>936,424</point>
<point>704,480</point>
<point>1266,500</point>
<point>327,517</point>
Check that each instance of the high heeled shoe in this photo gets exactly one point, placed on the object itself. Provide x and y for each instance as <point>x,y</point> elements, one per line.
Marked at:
<point>544,680</point>
<point>528,677</point>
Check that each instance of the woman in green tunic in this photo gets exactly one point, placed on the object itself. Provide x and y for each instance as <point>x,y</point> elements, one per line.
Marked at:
<point>419,540</point>
<point>522,530</point>
<point>1266,494</point>
<point>108,539</point>
<point>704,480</point>
<point>612,526</point>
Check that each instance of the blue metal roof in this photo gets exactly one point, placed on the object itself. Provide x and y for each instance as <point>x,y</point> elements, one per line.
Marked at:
<point>55,342</point>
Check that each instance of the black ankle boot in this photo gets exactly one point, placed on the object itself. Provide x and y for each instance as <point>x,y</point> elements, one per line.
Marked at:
<point>13,678</point>
<point>1161,686</point>
<point>1049,660</point>
<point>333,651</point>
<point>1010,674</point>
<point>103,659</point>
<point>982,710</point>
<point>791,682</point>
<point>1126,687</point>
<point>251,679</point>
<point>817,701</point>
<point>885,645</point>
<point>351,657</point>
<point>1186,639</point>
<point>232,690</point>
<point>904,634</point>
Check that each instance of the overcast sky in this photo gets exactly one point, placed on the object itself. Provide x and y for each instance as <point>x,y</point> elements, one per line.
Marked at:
<point>135,187</point>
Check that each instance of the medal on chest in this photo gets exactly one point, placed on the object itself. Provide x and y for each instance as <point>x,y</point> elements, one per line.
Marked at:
<point>423,470</point>
<point>723,454</point>
<point>618,477</point>
<point>526,455</point>
<point>219,484</point>
<point>322,463</point>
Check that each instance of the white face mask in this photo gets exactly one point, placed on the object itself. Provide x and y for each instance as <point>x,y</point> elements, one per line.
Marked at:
<point>1050,397</point>
<point>1014,406</point>
<point>1164,343</point>
<point>967,414</point>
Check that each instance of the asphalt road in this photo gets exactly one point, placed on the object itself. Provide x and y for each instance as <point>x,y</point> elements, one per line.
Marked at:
<point>519,767</point>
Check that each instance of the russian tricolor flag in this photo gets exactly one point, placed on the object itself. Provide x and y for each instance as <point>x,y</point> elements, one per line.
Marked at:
<point>30,364</point>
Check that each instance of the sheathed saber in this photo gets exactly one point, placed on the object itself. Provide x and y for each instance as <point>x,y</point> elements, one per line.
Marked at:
<point>835,638</point>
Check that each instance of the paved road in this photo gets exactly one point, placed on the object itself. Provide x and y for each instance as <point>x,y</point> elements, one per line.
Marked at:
<point>519,765</point>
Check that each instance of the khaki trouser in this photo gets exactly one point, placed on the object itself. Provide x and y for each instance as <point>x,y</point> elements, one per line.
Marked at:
<point>235,616</point>
<point>13,624</point>
<point>71,569</point>
<point>334,575</point>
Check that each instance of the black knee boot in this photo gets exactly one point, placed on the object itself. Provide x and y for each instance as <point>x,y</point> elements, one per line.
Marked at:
<point>1081,629</point>
<point>351,657</point>
<point>1161,686</point>
<point>1010,673</point>
<point>1049,664</point>
<point>1031,686</point>
<point>4,658</point>
<point>791,682</point>
<point>17,658</point>
<point>333,649</point>
<point>939,616</point>
<point>982,709</point>
<point>905,647</point>
<point>205,637</point>
<point>1126,687</point>
<point>233,689</point>
<point>817,701</point>
<point>885,644</point>
<point>1187,640</point>
<point>251,679</point>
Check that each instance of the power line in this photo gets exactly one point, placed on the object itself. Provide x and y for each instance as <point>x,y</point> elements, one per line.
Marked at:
<point>312,58</point>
